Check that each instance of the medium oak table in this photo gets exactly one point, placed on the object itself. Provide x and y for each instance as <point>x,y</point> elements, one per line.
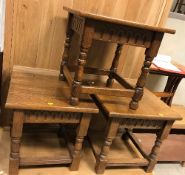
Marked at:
<point>85,27</point>
<point>152,114</point>
<point>174,79</point>
<point>38,97</point>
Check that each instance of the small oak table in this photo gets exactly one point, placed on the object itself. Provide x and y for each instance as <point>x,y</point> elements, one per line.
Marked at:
<point>38,97</point>
<point>86,27</point>
<point>152,114</point>
<point>174,79</point>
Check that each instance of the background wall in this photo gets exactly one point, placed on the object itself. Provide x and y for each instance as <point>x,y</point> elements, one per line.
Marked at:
<point>173,45</point>
<point>2,11</point>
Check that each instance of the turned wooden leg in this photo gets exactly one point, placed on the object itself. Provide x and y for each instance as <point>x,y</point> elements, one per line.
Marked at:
<point>84,48</point>
<point>150,54</point>
<point>141,83</point>
<point>111,131</point>
<point>65,55</point>
<point>81,133</point>
<point>16,133</point>
<point>114,65</point>
<point>161,136</point>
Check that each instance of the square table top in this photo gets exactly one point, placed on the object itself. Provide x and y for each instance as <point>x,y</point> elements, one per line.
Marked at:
<point>37,89</point>
<point>150,107</point>
<point>99,17</point>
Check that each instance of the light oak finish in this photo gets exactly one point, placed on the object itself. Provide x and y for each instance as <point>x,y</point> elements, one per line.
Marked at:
<point>41,45</point>
<point>47,92</point>
<point>42,99</point>
<point>86,27</point>
<point>150,108</point>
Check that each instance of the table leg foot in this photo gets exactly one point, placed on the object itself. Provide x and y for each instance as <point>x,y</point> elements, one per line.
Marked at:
<point>77,154</point>
<point>74,101</point>
<point>81,133</point>
<point>13,166</point>
<point>62,77</point>
<point>100,167</point>
<point>133,105</point>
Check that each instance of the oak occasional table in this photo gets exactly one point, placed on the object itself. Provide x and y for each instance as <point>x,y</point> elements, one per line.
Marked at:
<point>86,27</point>
<point>174,79</point>
<point>36,97</point>
<point>152,114</point>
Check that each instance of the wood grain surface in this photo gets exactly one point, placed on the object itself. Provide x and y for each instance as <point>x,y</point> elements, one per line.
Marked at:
<point>36,91</point>
<point>150,107</point>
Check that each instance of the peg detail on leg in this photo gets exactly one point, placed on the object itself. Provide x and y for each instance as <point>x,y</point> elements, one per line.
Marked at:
<point>76,87</point>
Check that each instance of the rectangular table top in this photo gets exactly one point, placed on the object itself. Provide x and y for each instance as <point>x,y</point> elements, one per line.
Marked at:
<point>94,16</point>
<point>36,89</point>
<point>150,107</point>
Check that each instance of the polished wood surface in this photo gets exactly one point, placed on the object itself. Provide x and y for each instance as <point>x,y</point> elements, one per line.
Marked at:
<point>150,108</point>
<point>42,90</point>
<point>86,27</point>
<point>116,20</point>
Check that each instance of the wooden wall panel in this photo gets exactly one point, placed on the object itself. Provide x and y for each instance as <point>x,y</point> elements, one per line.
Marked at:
<point>35,31</point>
<point>39,28</point>
<point>34,39</point>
